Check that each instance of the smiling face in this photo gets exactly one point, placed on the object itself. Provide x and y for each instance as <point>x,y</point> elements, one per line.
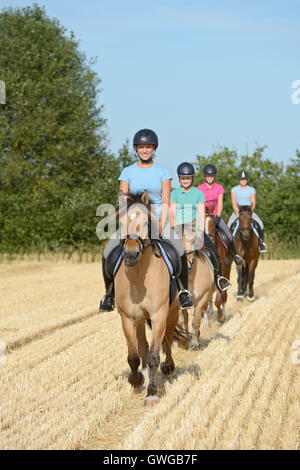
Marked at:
<point>243,182</point>
<point>209,179</point>
<point>145,151</point>
<point>186,181</point>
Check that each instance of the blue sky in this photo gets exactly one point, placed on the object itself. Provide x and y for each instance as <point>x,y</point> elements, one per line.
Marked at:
<point>202,74</point>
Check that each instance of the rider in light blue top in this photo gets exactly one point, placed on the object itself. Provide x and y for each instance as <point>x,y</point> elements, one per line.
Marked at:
<point>244,195</point>
<point>148,175</point>
<point>150,179</point>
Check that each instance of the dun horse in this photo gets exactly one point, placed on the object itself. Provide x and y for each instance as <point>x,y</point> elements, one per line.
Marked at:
<point>142,286</point>
<point>201,284</point>
<point>247,246</point>
<point>226,259</point>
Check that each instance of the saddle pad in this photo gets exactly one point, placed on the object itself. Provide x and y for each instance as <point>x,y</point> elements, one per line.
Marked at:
<point>171,257</point>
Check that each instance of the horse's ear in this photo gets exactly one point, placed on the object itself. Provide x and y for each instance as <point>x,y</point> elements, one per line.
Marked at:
<point>213,206</point>
<point>194,225</point>
<point>145,198</point>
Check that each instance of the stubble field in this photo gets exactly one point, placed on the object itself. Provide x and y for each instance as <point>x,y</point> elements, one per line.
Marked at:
<point>64,375</point>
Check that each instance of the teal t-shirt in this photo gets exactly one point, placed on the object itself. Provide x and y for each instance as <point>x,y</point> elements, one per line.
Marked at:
<point>186,204</point>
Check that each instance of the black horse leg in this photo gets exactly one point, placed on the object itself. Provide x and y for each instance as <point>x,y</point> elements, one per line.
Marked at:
<point>251,281</point>
<point>240,291</point>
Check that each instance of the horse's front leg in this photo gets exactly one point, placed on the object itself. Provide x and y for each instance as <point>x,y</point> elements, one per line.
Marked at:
<point>168,366</point>
<point>240,292</point>
<point>252,267</point>
<point>220,303</point>
<point>136,379</point>
<point>158,322</point>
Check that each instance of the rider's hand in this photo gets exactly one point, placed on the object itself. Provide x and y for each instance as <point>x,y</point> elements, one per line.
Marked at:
<point>218,218</point>
<point>199,242</point>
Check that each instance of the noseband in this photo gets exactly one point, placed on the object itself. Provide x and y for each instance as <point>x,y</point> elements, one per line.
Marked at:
<point>140,242</point>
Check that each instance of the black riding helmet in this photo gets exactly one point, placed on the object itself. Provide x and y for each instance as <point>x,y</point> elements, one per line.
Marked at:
<point>185,169</point>
<point>209,170</point>
<point>145,136</point>
<point>243,175</point>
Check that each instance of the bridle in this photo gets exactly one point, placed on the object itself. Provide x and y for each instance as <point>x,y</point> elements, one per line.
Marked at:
<point>245,229</point>
<point>140,242</point>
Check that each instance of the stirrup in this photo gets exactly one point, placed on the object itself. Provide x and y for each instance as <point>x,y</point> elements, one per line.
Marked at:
<point>107,308</point>
<point>263,247</point>
<point>223,289</point>
<point>185,291</point>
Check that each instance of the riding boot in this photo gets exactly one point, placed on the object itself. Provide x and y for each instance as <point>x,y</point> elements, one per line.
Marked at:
<point>107,303</point>
<point>239,261</point>
<point>221,282</point>
<point>185,298</point>
<point>262,245</point>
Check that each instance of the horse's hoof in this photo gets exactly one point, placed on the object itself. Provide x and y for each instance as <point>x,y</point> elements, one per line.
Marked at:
<point>239,298</point>
<point>195,347</point>
<point>183,344</point>
<point>222,320</point>
<point>166,368</point>
<point>151,400</point>
<point>138,382</point>
<point>250,299</point>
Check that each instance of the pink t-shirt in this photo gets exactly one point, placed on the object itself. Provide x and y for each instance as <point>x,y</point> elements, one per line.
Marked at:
<point>211,194</point>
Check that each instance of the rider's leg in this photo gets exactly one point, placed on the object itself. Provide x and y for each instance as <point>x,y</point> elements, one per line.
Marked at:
<point>107,303</point>
<point>232,219</point>
<point>185,297</point>
<point>221,282</point>
<point>262,245</point>
<point>230,243</point>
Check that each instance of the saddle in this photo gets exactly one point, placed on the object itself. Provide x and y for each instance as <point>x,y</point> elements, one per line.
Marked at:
<point>169,254</point>
<point>255,226</point>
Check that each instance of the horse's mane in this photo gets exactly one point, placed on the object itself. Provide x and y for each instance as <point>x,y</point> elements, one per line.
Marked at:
<point>131,199</point>
<point>245,208</point>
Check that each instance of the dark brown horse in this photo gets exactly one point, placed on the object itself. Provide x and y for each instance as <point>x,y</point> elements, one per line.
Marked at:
<point>247,246</point>
<point>142,285</point>
<point>226,259</point>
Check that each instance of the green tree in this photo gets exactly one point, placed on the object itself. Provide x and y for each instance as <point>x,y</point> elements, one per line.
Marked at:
<point>54,164</point>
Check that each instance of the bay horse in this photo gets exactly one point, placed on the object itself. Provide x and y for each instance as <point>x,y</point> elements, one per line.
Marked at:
<point>226,259</point>
<point>201,284</point>
<point>142,286</point>
<point>247,246</point>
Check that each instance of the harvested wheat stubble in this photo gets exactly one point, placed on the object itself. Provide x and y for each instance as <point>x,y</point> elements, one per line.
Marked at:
<point>64,383</point>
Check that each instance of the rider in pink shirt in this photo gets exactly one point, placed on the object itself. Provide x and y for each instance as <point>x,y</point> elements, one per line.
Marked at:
<point>213,193</point>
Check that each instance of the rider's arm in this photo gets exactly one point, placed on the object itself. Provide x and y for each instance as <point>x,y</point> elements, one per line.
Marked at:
<point>124,186</point>
<point>201,215</point>
<point>220,205</point>
<point>234,204</point>
<point>165,196</point>
<point>253,202</point>
<point>172,213</point>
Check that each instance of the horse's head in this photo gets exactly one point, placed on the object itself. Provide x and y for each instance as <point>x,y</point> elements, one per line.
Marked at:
<point>245,227</point>
<point>210,223</point>
<point>134,222</point>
